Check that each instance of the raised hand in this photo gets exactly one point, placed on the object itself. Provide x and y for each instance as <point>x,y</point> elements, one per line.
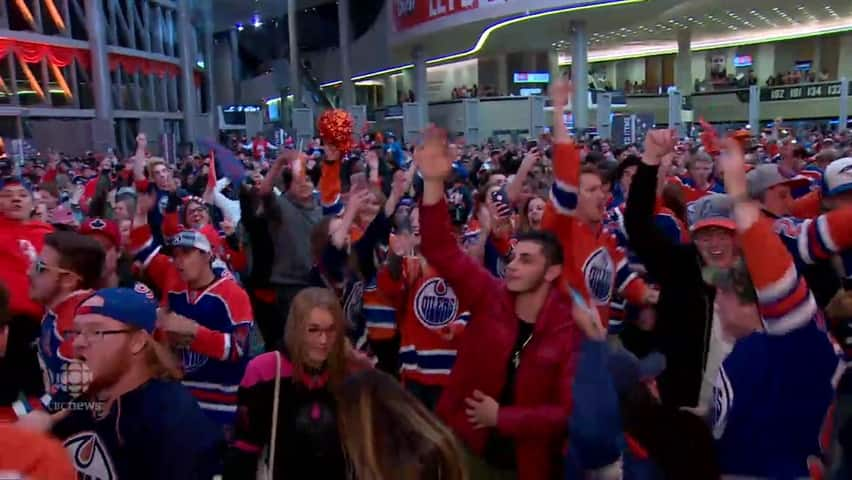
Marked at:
<point>433,157</point>
<point>732,164</point>
<point>657,144</point>
<point>561,91</point>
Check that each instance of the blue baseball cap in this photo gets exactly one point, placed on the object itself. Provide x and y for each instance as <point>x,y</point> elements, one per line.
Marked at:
<point>627,370</point>
<point>711,211</point>
<point>135,306</point>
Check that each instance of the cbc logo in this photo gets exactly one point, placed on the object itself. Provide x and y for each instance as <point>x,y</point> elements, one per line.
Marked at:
<point>75,378</point>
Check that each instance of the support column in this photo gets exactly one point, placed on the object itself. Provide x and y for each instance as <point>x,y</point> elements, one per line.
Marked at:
<point>553,64</point>
<point>754,109</point>
<point>208,71</point>
<point>293,30</point>
<point>843,118</point>
<point>502,75</point>
<point>187,86</point>
<point>683,63</point>
<point>102,132</point>
<point>234,45</point>
<point>580,75</point>
<point>345,26</point>
<point>421,85</point>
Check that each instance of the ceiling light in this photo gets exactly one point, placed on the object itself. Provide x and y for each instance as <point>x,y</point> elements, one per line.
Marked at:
<point>240,27</point>
<point>256,22</point>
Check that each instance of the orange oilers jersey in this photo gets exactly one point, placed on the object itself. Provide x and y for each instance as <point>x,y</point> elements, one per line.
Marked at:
<point>593,260</point>
<point>430,323</point>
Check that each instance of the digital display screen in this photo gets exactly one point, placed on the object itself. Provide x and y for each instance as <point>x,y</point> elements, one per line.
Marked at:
<point>742,61</point>
<point>531,77</point>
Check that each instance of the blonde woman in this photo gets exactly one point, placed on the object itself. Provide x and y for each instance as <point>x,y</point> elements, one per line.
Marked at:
<point>287,398</point>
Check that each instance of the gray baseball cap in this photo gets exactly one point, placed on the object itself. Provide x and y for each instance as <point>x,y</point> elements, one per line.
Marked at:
<point>763,177</point>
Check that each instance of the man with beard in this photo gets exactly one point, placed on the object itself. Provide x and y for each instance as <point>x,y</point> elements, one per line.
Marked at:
<point>133,421</point>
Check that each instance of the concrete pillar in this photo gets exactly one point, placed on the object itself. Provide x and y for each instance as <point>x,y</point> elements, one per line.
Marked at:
<point>844,58</point>
<point>236,74</point>
<point>187,61</point>
<point>101,85</point>
<point>764,62</point>
<point>683,62</point>
<point>502,75</point>
<point>389,91</point>
<point>816,66</point>
<point>553,64</point>
<point>295,77</point>
<point>208,68</point>
<point>345,26</point>
<point>421,85</point>
<point>580,75</point>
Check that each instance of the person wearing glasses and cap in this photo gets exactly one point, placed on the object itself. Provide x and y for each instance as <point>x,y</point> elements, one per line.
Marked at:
<point>208,317</point>
<point>132,420</point>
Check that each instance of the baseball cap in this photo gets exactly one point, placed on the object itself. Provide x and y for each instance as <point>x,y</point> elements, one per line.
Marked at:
<point>711,211</point>
<point>838,177</point>
<point>124,192</point>
<point>627,370</point>
<point>763,177</point>
<point>132,306</point>
<point>100,226</point>
<point>191,239</point>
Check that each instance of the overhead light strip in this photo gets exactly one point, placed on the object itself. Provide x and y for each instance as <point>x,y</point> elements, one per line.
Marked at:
<point>483,37</point>
<point>710,45</point>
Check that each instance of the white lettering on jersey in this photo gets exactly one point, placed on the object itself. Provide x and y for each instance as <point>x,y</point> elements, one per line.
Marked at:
<point>435,304</point>
<point>723,400</point>
<point>599,273</point>
<point>90,456</point>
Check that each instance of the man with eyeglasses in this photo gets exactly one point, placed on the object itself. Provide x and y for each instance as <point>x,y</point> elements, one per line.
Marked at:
<point>65,273</point>
<point>134,421</point>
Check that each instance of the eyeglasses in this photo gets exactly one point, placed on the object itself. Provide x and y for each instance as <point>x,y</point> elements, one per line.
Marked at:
<point>92,336</point>
<point>40,267</point>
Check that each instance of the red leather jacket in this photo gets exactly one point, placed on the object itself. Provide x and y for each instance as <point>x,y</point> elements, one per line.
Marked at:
<point>538,419</point>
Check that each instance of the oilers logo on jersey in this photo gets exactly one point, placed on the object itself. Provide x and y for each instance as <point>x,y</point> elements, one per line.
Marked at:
<point>435,304</point>
<point>90,456</point>
<point>598,272</point>
<point>192,361</point>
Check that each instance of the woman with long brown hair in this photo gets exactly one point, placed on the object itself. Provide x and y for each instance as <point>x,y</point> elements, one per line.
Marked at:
<point>287,398</point>
<point>388,434</point>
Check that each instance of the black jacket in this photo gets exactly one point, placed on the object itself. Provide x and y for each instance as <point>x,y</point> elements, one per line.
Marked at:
<point>685,308</point>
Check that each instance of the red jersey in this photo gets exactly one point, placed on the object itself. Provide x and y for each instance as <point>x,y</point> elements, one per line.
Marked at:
<point>430,311</point>
<point>593,260</point>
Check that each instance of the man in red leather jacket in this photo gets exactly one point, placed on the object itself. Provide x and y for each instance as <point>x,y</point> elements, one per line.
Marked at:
<point>509,395</point>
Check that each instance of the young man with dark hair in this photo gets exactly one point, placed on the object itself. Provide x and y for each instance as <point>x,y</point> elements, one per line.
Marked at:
<point>21,240</point>
<point>207,320</point>
<point>509,394</point>
<point>594,263</point>
<point>67,271</point>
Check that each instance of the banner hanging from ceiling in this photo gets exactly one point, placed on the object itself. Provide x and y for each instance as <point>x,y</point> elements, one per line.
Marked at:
<point>408,14</point>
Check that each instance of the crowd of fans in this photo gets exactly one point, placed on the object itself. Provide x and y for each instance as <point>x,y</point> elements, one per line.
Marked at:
<point>559,308</point>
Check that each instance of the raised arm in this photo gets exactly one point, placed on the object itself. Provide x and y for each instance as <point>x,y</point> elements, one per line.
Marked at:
<point>516,186</point>
<point>651,244</point>
<point>469,278</point>
<point>139,157</point>
<point>783,298</point>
